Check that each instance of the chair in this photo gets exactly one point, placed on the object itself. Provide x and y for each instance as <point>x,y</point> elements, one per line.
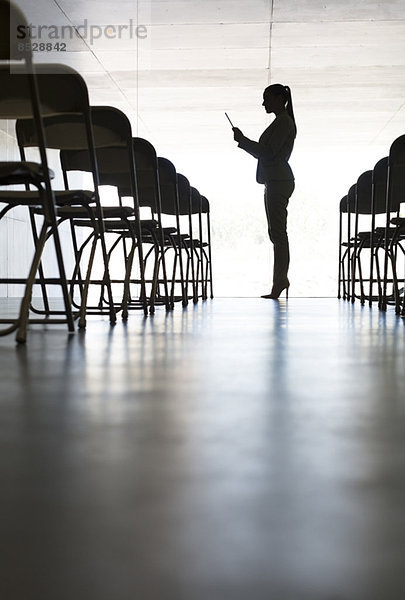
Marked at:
<point>200,206</point>
<point>19,98</point>
<point>114,170</point>
<point>380,235</point>
<point>377,234</point>
<point>370,199</point>
<point>349,244</point>
<point>343,250</point>
<point>189,242</point>
<point>149,191</point>
<point>110,127</point>
<point>362,206</point>
<point>169,195</point>
<point>205,209</point>
<point>394,237</point>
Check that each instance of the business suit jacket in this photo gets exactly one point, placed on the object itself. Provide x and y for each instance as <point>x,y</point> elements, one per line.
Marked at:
<point>273,150</point>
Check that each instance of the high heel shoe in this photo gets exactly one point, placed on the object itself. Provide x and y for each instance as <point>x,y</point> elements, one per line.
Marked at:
<point>277,289</point>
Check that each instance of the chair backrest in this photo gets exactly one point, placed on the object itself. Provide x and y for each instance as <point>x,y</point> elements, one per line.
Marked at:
<point>11,49</point>
<point>195,201</point>
<point>196,209</point>
<point>146,159</point>
<point>343,207</point>
<point>19,95</point>
<point>68,130</point>
<point>396,170</point>
<point>205,205</point>
<point>364,193</point>
<point>89,137</point>
<point>114,166</point>
<point>113,160</point>
<point>351,199</point>
<point>184,190</point>
<point>147,171</point>
<point>397,152</point>
<point>168,186</point>
<point>379,180</point>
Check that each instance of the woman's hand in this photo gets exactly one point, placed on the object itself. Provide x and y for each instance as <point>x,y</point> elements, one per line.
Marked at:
<point>237,134</point>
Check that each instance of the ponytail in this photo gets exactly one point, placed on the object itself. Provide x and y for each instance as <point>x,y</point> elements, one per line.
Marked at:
<point>289,107</point>
<point>284,91</point>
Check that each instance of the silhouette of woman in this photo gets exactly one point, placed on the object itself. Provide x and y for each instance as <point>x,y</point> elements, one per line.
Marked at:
<point>273,151</point>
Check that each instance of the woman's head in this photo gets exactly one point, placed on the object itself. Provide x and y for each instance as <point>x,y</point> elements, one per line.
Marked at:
<point>276,98</point>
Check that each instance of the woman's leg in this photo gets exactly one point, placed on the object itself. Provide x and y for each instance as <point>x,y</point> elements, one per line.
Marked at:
<point>276,197</point>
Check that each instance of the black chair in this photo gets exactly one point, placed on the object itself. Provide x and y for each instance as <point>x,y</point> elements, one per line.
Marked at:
<point>344,236</point>
<point>114,154</point>
<point>369,196</point>
<point>190,241</point>
<point>349,243</point>
<point>77,131</point>
<point>369,203</point>
<point>19,98</point>
<point>169,195</point>
<point>150,195</point>
<point>362,206</point>
<point>394,237</point>
<point>205,210</point>
<point>114,170</point>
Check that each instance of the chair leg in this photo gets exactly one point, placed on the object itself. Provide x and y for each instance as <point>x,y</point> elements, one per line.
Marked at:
<point>40,268</point>
<point>62,275</point>
<point>21,334</point>
<point>77,272</point>
<point>155,278</point>
<point>83,307</point>
<point>113,316</point>
<point>125,297</point>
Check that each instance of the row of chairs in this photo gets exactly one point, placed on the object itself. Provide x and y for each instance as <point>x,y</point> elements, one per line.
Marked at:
<point>372,234</point>
<point>164,256</point>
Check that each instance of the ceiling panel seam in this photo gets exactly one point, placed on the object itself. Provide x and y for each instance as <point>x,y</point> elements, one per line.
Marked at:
<point>270,38</point>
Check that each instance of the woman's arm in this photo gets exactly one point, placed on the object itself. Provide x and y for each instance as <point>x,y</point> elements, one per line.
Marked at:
<point>253,148</point>
<point>268,147</point>
<point>246,144</point>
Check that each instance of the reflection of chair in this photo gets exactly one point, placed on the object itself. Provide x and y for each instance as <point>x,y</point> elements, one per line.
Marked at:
<point>19,99</point>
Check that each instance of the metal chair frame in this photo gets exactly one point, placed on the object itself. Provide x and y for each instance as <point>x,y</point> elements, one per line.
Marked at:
<point>19,98</point>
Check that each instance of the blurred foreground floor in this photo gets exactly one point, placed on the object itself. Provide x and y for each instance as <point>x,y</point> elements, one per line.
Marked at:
<point>238,450</point>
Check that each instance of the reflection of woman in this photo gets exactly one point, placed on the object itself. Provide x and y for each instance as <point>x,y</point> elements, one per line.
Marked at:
<point>273,151</point>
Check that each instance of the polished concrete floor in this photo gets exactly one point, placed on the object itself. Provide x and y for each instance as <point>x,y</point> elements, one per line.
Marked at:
<point>242,449</point>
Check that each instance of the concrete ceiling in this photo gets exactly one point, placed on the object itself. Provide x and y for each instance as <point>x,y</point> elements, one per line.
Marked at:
<point>343,59</point>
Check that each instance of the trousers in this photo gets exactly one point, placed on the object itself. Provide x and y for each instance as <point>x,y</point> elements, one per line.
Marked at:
<point>276,197</point>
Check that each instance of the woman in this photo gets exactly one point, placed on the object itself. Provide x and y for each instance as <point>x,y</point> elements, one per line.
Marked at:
<point>273,151</point>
